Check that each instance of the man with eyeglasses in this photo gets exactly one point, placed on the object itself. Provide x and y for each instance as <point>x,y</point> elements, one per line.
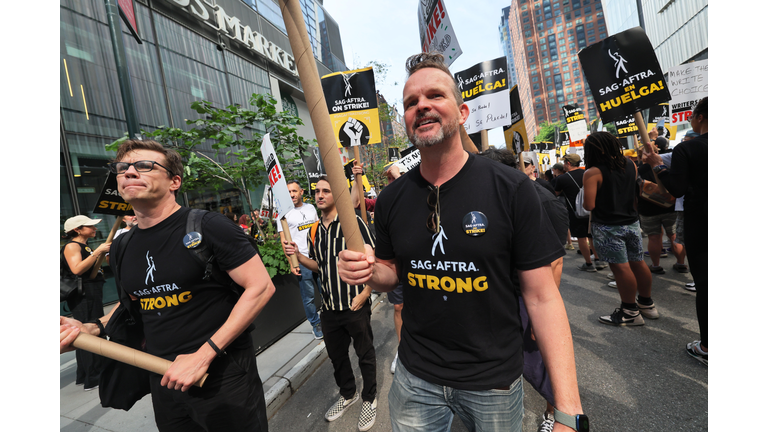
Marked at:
<point>199,324</point>
<point>453,231</point>
<point>346,313</point>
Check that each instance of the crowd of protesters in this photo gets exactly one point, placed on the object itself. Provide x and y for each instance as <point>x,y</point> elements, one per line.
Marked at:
<point>534,222</point>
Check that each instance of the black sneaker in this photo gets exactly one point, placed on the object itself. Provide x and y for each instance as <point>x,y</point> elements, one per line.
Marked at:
<point>623,317</point>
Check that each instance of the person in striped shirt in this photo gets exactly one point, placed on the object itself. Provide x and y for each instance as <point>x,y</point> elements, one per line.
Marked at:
<point>346,315</point>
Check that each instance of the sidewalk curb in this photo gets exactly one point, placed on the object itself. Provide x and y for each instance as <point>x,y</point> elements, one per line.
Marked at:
<point>289,383</point>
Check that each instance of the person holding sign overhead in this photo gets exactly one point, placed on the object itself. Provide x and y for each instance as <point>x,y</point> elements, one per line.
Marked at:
<point>79,259</point>
<point>454,247</point>
<point>688,176</point>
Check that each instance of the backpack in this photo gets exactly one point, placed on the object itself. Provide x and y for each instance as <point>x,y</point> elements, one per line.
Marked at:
<point>579,211</point>
<point>121,385</point>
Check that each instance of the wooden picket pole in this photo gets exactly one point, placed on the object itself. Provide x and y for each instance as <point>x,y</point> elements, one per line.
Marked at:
<point>125,354</point>
<point>640,123</point>
<point>321,121</point>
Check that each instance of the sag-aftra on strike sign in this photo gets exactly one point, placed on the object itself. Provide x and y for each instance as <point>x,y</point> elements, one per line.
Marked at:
<point>623,74</point>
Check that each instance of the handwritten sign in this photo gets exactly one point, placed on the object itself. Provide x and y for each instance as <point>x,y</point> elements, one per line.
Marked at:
<point>688,84</point>
<point>575,121</point>
<point>485,89</point>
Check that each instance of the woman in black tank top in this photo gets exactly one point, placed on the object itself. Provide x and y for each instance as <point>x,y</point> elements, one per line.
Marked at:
<point>78,259</point>
<point>610,193</point>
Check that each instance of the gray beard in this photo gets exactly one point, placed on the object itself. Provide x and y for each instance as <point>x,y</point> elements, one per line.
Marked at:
<point>447,130</point>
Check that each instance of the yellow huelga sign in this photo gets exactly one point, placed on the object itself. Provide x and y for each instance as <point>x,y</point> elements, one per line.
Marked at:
<point>353,107</point>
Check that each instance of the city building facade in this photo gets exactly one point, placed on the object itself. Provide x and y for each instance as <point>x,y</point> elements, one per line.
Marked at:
<point>221,51</point>
<point>546,37</point>
<point>506,46</point>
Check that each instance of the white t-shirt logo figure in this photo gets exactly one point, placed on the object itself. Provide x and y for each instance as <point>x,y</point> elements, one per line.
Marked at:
<point>150,269</point>
<point>439,240</point>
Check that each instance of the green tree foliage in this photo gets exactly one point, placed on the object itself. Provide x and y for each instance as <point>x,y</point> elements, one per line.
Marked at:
<point>235,133</point>
<point>547,131</point>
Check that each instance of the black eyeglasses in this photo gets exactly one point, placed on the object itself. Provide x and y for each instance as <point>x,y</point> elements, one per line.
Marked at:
<point>140,166</point>
<point>433,201</point>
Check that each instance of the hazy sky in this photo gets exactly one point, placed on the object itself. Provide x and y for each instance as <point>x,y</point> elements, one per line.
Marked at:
<point>388,32</point>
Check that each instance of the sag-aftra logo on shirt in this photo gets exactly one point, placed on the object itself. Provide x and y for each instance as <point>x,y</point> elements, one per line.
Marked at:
<point>458,283</point>
<point>159,301</point>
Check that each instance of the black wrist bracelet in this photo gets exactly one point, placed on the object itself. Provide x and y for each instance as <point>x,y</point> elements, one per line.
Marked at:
<point>102,330</point>
<point>215,348</point>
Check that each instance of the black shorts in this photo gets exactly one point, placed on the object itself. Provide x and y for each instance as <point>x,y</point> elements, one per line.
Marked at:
<point>231,399</point>
<point>396,295</point>
<point>579,226</point>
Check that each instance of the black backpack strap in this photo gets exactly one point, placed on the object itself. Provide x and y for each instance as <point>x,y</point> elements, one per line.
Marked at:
<point>203,253</point>
<point>116,252</point>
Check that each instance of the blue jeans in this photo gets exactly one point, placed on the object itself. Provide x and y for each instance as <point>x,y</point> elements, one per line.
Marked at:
<point>307,289</point>
<point>419,405</point>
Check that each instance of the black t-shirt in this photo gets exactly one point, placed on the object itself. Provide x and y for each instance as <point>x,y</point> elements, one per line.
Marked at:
<point>545,184</point>
<point>179,309</point>
<point>461,326</point>
<point>569,184</point>
<point>556,212</point>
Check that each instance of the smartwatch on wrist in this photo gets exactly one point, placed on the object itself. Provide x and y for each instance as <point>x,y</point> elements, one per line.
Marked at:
<point>578,422</point>
<point>658,168</point>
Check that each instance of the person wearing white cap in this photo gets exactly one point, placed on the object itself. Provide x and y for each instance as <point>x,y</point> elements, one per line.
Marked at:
<point>78,259</point>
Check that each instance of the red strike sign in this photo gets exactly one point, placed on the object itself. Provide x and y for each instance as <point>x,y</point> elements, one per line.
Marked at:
<point>434,24</point>
<point>681,116</point>
<point>274,175</point>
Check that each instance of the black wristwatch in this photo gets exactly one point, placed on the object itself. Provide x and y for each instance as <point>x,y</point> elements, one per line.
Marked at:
<point>578,422</point>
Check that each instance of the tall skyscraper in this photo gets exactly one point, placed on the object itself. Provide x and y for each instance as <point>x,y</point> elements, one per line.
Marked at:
<point>506,46</point>
<point>546,37</point>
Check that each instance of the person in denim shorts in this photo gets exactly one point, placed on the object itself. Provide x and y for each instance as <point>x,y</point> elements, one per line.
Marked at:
<point>610,192</point>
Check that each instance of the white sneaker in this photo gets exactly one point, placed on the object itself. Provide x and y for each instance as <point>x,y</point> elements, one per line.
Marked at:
<point>394,364</point>
<point>612,284</point>
<point>611,276</point>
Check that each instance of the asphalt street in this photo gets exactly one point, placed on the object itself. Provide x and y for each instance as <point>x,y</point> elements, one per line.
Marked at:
<point>630,378</point>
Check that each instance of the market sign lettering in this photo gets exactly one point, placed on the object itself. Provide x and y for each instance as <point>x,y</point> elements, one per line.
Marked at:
<point>216,17</point>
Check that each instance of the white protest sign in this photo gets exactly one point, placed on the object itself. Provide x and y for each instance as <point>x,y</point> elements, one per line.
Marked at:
<point>688,84</point>
<point>265,204</point>
<point>280,194</point>
<point>485,89</point>
<point>411,158</point>
<point>436,31</point>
